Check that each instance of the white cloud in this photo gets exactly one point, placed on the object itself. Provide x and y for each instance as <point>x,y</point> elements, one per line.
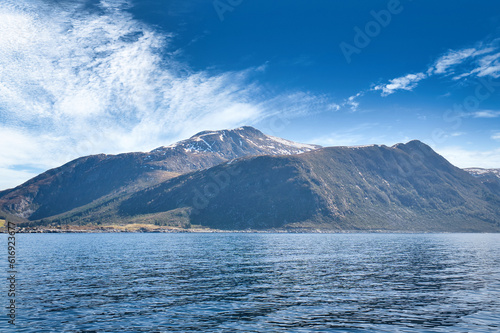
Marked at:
<point>463,158</point>
<point>446,63</point>
<point>10,177</point>
<point>496,136</point>
<point>486,114</point>
<point>488,66</point>
<point>351,101</point>
<point>334,107</point>
<point>407,82</point>
<point>478,58</point>
<point>450,59</point>
<point>75,82</point>
<point>24,155</point>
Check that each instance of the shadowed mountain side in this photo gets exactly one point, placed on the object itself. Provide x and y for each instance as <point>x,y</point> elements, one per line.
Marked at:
<point>250,193</point>
<point>407,187</point>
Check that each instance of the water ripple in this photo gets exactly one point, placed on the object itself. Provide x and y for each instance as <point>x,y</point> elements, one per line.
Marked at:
<point>258,283</point>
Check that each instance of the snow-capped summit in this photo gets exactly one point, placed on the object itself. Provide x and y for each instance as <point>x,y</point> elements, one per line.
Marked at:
<point>242,141</point>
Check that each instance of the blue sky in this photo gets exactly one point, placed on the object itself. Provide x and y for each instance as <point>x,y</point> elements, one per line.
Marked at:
<point>87,77</point>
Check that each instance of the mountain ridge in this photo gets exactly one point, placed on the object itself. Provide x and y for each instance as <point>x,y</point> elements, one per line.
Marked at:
<point>313,197</point>
<point>406,187</point>
<point>243,179</point>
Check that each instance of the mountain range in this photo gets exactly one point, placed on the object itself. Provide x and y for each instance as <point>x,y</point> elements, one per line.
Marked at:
<point>243,179</point>
<point>86,179</point>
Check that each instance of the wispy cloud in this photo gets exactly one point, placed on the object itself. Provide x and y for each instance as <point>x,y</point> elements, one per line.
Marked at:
<point>496,136</point>
<point>351,101</point>
<point>474,61</point>
<point>89,81</point>
<point>488,66</point>
<point>407,82</point>
<point>450,59</point>
<point>486,114</point>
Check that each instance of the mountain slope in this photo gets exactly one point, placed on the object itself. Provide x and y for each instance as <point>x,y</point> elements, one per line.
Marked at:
<point>84,180</point>
<point>407,187</point>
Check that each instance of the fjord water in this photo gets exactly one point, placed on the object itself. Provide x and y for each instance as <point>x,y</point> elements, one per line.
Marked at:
<point>238,282</point>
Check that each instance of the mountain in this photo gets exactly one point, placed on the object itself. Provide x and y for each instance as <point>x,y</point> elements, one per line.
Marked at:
<point>406,187</point>
<point>100,177</point>
<point>243,179</point>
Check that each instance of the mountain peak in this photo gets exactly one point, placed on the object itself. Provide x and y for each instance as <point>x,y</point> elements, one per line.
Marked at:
<point>413,145</point>
<point>248,129</point>
<point>416,143</point>
<point>233,143</point>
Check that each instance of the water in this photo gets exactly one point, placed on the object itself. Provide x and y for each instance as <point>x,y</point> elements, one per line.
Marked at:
<point>256,283</point>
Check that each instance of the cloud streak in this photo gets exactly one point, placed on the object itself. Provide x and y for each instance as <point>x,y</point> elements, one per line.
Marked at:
<point>449,60</point>
<point>85,81</point>
<point>407,82</point>
<point>486,114</point>
<point>478,61</point>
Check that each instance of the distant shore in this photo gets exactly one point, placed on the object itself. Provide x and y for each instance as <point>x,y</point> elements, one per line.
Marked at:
<point>151,228</point>
<point>137,228</point>
<point>37,230</point>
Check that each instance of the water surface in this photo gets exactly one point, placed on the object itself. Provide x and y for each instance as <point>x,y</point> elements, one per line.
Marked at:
<point>256,283</point>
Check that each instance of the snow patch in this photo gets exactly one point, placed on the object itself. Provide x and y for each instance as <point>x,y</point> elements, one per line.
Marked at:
<point>209,146</point>
<point>480,171</point>
<point>358,147</point>
<point>291,143</point>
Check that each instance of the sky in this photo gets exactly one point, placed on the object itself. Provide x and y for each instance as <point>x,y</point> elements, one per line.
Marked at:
<point>110,76</point>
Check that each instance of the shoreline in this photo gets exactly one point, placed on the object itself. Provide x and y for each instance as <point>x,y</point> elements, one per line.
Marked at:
<point>157,229</point>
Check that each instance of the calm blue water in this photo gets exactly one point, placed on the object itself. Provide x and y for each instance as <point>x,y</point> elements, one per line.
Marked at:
<point>256,283</point>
